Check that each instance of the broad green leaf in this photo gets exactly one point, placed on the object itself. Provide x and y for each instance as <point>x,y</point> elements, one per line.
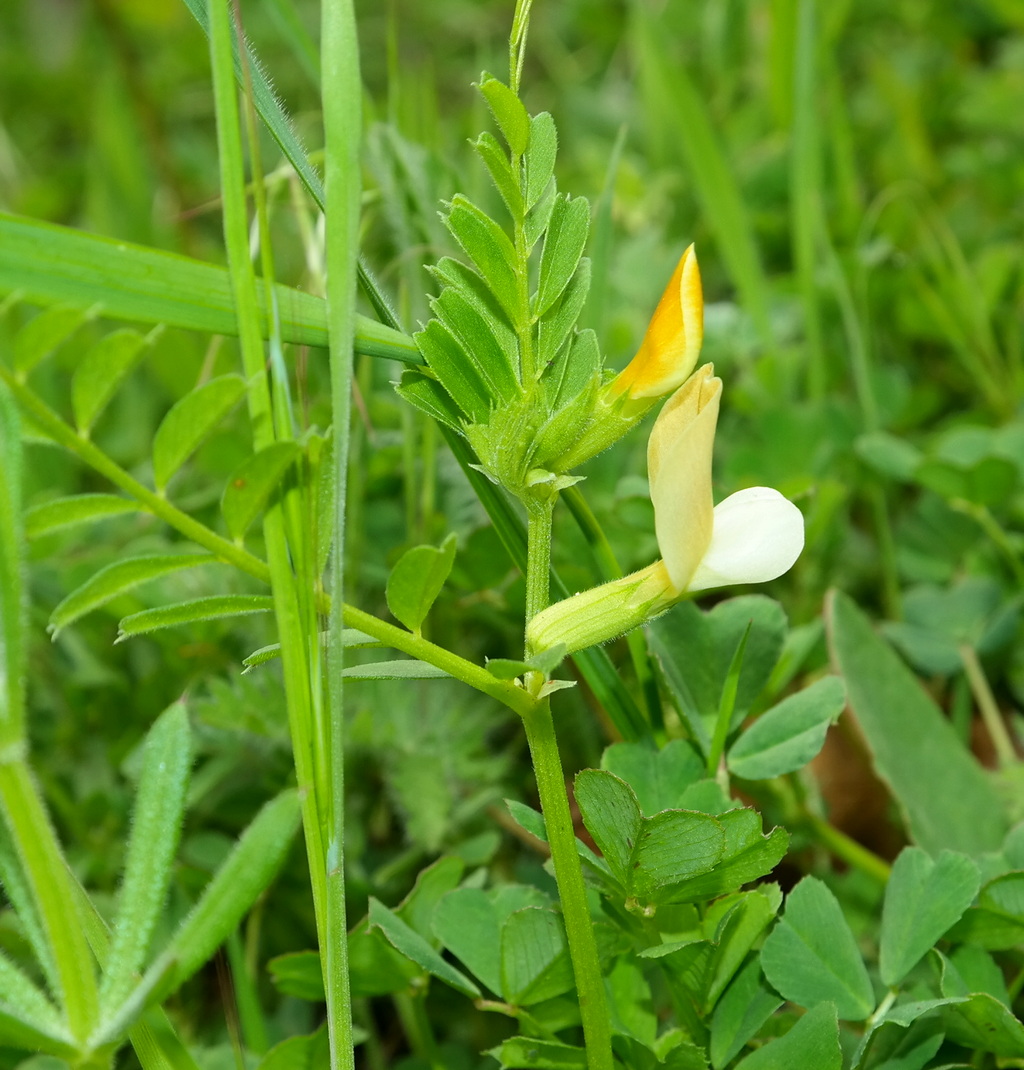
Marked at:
<point>658,777</point>
<point>42,335</point>
<point>152,843</point>
<point>535,963</point>
<point>743,1008</point>
<point>117,578</point>
<point>789,735</point>
<point>490,249</point>
<point>648,856</point>
<point>811,956</point>
<point>976,971</point>
<point>746,855</point>
<point>414,947</point>
<point>517,1052</point>
<point>910,738</point>
<point>459,376</point>
<point>891,1045</point>
<point>249,489</point>
<point>191,420</point>
<point>812,1042</point>
<point>539,215</point>
<point>923,899</point>
<point>100,373</point>
<point>540,156</point>
<point>982,1023</point>
<point>76,509</point>
<point>498,167</point>
<point>48,263</point>
<point>213,607</point>
<point>13,605</point>
<point>298,974</point>
<point>563,246</point>
<point>310,1052</point>
<point>508,112</point>
<point>997,922</point>
<point>468,924</point>
<point>497,368</point>
<point>695,649</point>
<point>403,669</point>
<point>888,454</point>
<point>416,581</point>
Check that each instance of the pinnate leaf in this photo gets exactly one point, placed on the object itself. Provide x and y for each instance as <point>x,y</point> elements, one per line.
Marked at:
<point>489,247</point>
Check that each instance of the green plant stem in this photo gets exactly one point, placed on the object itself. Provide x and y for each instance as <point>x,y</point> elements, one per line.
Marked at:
<point>572,894</point>
<point>342,108</point>
<point>847,849</point>
<point>1006,754</point>
<point>554,803</point>
<point>307,743</point>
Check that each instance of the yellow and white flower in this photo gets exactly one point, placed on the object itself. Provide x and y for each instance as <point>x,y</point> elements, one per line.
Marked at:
<point>752,536</point>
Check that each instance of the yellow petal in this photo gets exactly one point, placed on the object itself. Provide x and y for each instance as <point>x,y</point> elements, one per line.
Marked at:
<point>679,471</point>
<point>672,343</point>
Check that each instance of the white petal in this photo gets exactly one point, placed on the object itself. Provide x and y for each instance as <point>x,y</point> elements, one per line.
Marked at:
<point>758,534</point>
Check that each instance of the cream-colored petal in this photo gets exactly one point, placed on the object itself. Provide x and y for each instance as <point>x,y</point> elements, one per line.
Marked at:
<point>679,472</point>
<point>758,535</point>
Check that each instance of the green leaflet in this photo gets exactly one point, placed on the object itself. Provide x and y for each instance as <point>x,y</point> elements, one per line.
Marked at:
<point>508,112</point>
<point>923,899</point>
<point>813,1041</point>
<point>415,948</point>
<point>251,486</point>
<point>811,955</point>
<point>416,581</point>
<point>76,509</point>
<point>535,963</point>
<point>786,737</point>
<point>101,371</point>
<point>190,422</point>
<point>213,607</point>
<point>563,247</point>
<point>490,249</point>
<point>117,578</point>
<point>42,335</point>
